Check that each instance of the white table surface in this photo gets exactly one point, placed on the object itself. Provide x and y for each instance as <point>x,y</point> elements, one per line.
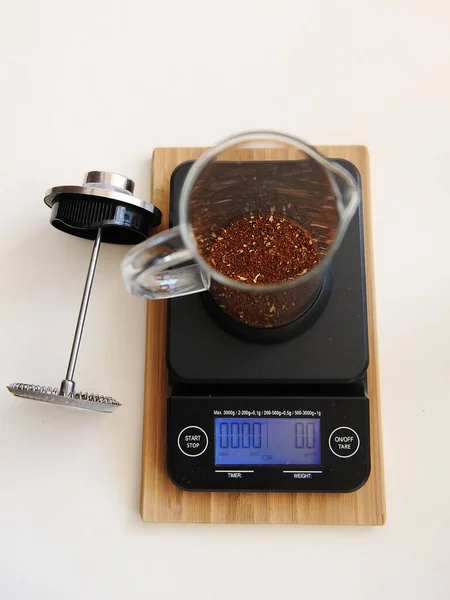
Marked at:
<point>98,85</point>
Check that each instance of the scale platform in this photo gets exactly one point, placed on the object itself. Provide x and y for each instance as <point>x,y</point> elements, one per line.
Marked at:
<point>223,354</point>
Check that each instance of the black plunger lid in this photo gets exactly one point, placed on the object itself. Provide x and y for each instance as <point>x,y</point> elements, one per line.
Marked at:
<point>105,200</point>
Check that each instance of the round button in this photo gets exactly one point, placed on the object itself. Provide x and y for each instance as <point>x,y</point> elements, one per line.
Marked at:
<point>192,440</point>
<point>344,442</point>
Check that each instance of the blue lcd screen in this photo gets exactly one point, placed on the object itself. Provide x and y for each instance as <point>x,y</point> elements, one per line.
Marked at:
<point>267,441</point>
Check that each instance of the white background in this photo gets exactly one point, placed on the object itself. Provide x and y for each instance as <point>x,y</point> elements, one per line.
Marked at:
<point>98,85</point>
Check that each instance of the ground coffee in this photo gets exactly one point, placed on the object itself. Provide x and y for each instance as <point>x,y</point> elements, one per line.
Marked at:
<point>262,250</point>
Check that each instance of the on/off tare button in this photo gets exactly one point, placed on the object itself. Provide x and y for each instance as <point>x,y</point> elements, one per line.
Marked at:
<point>344,442</point>
<point>192,441</point>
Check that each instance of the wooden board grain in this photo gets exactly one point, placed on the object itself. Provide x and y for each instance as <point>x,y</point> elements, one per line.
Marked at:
<point>161,501</point>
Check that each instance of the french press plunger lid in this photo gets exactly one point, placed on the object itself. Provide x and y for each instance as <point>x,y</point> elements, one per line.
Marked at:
<point>102,209</point>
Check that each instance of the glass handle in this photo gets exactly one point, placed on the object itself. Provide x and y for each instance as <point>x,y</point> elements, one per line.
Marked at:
<point>148,269</point>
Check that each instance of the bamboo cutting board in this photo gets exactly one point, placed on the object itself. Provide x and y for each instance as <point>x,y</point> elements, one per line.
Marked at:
<point>161,500</point>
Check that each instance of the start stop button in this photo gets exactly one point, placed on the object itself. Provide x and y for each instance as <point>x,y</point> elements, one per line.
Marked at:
<point>344,442</point>
<point>192,440</point>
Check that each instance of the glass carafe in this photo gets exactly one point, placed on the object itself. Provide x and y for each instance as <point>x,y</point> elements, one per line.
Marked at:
<point>248,176</point>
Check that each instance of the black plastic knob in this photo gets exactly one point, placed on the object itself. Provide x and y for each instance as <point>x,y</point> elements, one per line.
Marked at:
<point>105,200</point>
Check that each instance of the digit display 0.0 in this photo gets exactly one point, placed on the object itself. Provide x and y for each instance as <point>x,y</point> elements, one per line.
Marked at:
<point>267,441</point>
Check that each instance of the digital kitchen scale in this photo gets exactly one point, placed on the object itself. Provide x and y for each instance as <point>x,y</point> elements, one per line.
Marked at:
<point>291,416</point>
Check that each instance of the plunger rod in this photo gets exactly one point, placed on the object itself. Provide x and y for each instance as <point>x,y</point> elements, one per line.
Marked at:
<point>82,316</point>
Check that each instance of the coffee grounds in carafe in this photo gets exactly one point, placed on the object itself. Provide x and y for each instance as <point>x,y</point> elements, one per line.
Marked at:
<point>262,250</point>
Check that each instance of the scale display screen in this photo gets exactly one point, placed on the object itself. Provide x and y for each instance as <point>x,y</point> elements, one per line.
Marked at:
<point>267,441</point>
